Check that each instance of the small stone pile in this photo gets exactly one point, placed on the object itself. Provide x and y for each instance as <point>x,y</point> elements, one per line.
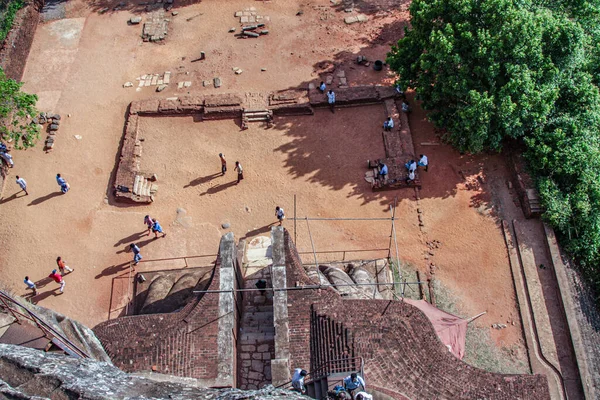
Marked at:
<point>161,81</point>
<point>342,81</point>
<point>250,16</point>
<point>156,28</point>
<point>53,121</point>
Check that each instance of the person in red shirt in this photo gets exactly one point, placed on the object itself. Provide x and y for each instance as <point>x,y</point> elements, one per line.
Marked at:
<point>58,279</point>
<point>62,266</point>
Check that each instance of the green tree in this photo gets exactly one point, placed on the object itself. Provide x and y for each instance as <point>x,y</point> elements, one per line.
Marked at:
<point>16,110</point>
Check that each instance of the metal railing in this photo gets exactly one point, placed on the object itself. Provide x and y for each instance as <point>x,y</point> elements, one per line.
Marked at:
<point>57,338</point>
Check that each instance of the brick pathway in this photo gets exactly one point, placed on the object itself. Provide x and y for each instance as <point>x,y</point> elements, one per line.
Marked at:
<point>256,345</point>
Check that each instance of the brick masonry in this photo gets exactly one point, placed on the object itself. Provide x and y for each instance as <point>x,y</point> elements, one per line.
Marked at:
<point>403,355</point>
<point>183,343</point>
<point>16,46</point>
<point>224,106</point>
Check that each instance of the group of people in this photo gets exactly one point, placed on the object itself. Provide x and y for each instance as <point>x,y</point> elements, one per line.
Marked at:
<point>56,275</point>
<point>62,184</point>
<point>238,168</point>
<point>353,386</point>
<point>411,167</point>
<point>153,226</point>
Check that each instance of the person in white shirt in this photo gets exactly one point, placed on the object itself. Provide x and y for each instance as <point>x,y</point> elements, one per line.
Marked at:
<point>363,396</point>
<point>423,161</point>
<point>279,214</point>
<point>331,100</point>
<point>322,87</point>
<point>240,171</point>
<point>21,182</point>
<point>298,380</point>
<point>411,166</point>
<point>405,107</point>
<point>388,124</point>
<point>410,177</point>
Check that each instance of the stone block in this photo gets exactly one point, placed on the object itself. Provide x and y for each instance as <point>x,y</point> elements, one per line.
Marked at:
<point>167,78</point>
<point>362,18</point>
<point>257,366</point>
<point>329,79</point>
<point>252,18</point>
<point>248,348</point>
<point>262,348</point>
<point>244,20</point>
<point>351,20</point>
<point>135,20</point>
<point>238,14</point>
<point>217,82</point>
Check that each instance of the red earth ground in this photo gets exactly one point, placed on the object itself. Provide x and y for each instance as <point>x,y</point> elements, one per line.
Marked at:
<point>78,65</point>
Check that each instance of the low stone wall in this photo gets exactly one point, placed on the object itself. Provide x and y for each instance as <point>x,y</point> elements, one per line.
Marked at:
<point>16,46</point>
<point>224,106</point>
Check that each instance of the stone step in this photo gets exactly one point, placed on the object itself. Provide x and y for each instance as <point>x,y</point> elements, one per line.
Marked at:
<point>257,119</point>
<point>136,184</point>
<point>262,308</point>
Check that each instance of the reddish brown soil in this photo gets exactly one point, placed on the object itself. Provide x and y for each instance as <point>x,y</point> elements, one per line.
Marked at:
<point>320,158</point>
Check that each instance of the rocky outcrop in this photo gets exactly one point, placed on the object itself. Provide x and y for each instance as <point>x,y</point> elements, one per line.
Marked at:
<point>32,374</point>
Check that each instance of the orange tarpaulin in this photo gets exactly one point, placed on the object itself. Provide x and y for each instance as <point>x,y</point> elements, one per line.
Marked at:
<point>451,330</point>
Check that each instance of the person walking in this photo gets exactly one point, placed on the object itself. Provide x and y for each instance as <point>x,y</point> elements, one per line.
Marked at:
<point>137,256</point>
<point>62,182</point>
<point>156,228</point>
<point>58,279</point>
<point>21,182</point>
<point>423,162</point>
<point>148,221</point>
<point>62,266</point>
<point>223,164</point>
<point>240,170</point>
<point>279,214</point>
<point>331,100</point>
<point>322,87</point>
<point>31,285</point>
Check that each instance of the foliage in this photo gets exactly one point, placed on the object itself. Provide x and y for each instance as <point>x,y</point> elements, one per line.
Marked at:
<point>9,17</point>
<point>16,109</point>
<point>495,70</point>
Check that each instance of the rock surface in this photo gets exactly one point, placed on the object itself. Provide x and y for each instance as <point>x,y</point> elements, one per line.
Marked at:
<point>32,374</point>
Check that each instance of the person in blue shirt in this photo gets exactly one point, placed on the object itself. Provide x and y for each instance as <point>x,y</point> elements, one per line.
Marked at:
<point>353,382</point>
<point>388,124</point>
<point>383,171</point>
<point>64,186</point>
<point>322,87</point>
<point>331,100</point>
<point>156,228</point>
<point>137,256</point>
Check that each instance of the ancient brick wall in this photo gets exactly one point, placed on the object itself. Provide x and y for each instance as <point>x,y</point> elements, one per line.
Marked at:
<point>16,46</point>
<point>182,343</point>
<point>402,353</point>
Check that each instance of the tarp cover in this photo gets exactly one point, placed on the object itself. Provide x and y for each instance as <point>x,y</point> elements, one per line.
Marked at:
<point>451,330</point>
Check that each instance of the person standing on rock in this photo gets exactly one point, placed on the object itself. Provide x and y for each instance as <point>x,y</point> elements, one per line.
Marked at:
<point>279,214</point>
<point>298,380</point>
<point>137,256</point>
<point>331,100</point>
<point>62,182</point>
<point>30,285</point>
<point>148,221</point>
<point>62,266</point>
<point>58,279</point>
<point>156,228</point>
<point>322,87</point>
<point>388,124</point>
<point>240,171</point>
<point>223,164</point>
<point>21,182</point>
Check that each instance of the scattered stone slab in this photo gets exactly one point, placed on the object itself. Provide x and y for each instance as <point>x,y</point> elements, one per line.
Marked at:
<point>135,20</point>
<point>156,28</point>
<point>180,85</point>
<point>225,225</point>
<point>232,29</point>
<point>160,88</point>
<point>167,77</point>
<point>217,82</point>
<point>206,83</point>
<point>187,84</point>
<point>362,18</point>
<point>351,20</point>
<point>174,13</point>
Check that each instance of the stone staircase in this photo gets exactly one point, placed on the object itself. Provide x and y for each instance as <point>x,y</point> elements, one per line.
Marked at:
<point>257,116</point>
<point>143,186</point>
<point>256,339</point>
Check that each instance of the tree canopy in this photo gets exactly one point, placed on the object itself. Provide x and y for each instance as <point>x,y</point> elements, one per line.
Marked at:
<point>16,110</point>
<point>496,70</point>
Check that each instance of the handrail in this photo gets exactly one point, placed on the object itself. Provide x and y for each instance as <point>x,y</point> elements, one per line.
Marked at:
<point>42,325</point>
<point>325,364</point>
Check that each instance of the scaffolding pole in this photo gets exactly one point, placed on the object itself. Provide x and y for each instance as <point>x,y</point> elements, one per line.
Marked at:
<point>307,287</point>
<point>311,242</point>
<point>342,219</point>
<point>396,243</point>
<point>295,230</point>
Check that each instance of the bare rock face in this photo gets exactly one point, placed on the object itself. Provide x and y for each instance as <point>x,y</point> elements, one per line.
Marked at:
<point>342,282</point>
<point>35,375</point>
<point>361,275</point>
